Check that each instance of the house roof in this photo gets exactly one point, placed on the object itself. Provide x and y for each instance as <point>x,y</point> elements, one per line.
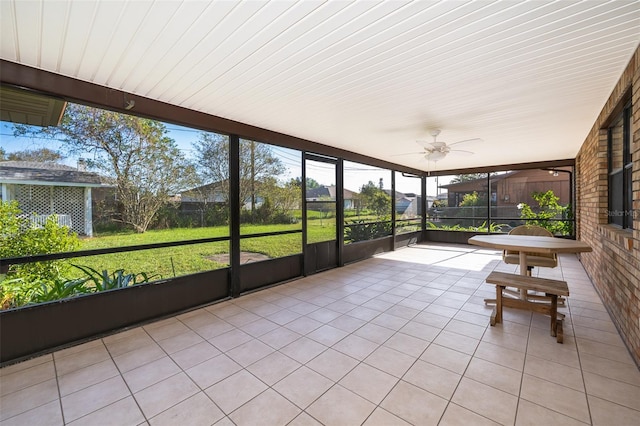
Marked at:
<point>47,173</point>
<point>471,185</point>
<point>401,195</point>
<point>329,191</point>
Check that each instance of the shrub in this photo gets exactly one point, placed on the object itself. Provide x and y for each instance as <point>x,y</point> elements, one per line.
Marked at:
<point>11,226</point>
<point>30,289</point>
<point>493,227</point>
<point>18,291</point>
<point>118,279</point>
<point>18,237</point>
<point>549,211</point>
<point>359,230</point>
<point>191,215</point>
<point>266,214</point>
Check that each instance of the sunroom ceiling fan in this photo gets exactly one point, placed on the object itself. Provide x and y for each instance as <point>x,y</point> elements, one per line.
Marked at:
<point>437,150</point>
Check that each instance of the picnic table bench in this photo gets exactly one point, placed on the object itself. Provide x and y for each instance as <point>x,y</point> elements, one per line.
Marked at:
<point>551,288</point>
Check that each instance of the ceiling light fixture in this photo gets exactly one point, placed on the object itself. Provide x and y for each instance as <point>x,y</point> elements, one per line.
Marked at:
<point>435,156</point>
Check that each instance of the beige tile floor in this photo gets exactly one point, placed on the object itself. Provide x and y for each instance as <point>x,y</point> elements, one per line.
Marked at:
<point>399,339</point>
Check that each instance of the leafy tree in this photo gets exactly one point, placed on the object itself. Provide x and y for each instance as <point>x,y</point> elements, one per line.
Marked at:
<point>39,155</point>
<point>381,204</point>
<point>468,177</point>
<point>440,203</point>
<point>257,163</point>
<point>375,199</point>
<point>283,197</point>
<point>469,199</point>
<point>311,182</point>
<point>548,209</point>
<point>3,154</point>
<point>146,165</point>
<point>473,200</point>
<point>212,164</point>
<point>278,201</point>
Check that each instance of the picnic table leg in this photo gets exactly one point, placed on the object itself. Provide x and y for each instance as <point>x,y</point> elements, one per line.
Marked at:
<point>560,333</point>
<point>499,289</point>
<point>554,313</point>
<point>523,271</point>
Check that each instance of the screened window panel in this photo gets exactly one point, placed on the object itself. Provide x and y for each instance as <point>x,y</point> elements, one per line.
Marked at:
<point>620,211</point>
<point>616,200</point>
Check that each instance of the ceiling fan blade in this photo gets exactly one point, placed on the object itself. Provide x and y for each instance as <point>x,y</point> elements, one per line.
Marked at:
<point>425,144</point>
<point>462,151</point>
<point>467,141</point>
<point>409,153</point>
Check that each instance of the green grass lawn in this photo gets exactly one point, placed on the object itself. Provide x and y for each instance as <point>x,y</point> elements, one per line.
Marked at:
<point>181,260</point>
<point>188,259</point>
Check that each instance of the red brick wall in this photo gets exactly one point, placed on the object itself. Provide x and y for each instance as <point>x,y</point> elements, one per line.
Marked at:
<point>614,264</point>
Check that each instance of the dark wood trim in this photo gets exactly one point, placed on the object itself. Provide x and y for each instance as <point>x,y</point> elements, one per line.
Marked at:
<point>256,275</point>
<point>625,101</point>
<point>304,213</point>
<point>340,210</point>
<point>423,205</point>
<point>506,167</point>
<point>234,214</point>
<point>321,257</point>
<point>92,94</point>
<point>393,207</point>
<point>39,328</point>
<point>407,239</point>
<point>83,92</point>
<point>365,249</point>
<point>450,237</point>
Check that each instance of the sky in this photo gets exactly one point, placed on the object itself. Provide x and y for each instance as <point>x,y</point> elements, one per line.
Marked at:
<point>355,175</point>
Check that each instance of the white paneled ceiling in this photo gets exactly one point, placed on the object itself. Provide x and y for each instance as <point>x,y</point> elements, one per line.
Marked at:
<point>528,77</point>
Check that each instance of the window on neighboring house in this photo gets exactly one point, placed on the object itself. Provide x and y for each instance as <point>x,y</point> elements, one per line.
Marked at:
<point>620,195</point>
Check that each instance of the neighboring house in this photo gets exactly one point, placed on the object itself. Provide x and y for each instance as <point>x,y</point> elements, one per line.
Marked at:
<point>43,189</point>
<point>510,189</point>
<point>212,193</point>
<point>407,204</point>
<point>323,192</point>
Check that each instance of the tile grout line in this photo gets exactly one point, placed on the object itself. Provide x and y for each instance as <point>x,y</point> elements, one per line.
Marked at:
<point>182,370</point>
<point>575,342</point>
<point>400,379</point>
<point>360,362</point>
<point>450,401</point>
<point>531,328</point>
<point>55,372</point>
<point>144,416</point>
<point>303,410</point>
<point>30,386</point>
<point>524,363</point>
<point>300,291</point>
<point>335,383</point>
